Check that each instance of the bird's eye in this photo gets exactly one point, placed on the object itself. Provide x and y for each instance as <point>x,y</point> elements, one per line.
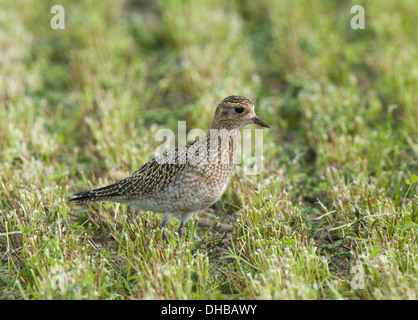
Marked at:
<point>239,110</point>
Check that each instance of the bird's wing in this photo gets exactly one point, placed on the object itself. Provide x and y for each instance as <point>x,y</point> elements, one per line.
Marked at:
<point>156,174</point>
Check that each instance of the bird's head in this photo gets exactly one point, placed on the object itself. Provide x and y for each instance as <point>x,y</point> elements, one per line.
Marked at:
<point>234,112</point>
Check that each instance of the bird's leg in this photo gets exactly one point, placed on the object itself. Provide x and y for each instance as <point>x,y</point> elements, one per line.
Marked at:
<point>180,232</point>
<point>165,238</point>
<point>164,221</point>
<point>183,219</point>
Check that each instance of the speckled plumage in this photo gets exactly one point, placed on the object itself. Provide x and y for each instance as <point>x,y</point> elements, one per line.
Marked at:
<point>187,179</point>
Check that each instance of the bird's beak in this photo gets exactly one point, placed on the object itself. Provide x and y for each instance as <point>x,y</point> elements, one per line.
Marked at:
<point>262,123</point>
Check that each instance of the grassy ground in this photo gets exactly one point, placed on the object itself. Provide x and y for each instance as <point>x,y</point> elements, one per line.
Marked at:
<point>80,108</point>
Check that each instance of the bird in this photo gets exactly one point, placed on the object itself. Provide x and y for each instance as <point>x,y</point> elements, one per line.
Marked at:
<point>187,179</point>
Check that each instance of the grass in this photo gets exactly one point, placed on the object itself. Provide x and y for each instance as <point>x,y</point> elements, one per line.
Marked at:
<point>81,107</point>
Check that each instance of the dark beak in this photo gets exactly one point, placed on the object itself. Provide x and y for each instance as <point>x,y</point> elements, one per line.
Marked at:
<point>262,123</point>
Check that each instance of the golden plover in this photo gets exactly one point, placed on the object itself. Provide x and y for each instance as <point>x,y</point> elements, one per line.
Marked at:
<point>185,180</point>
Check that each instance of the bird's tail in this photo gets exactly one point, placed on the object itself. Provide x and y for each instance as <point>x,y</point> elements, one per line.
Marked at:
<point>104,193</point>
